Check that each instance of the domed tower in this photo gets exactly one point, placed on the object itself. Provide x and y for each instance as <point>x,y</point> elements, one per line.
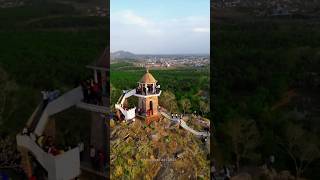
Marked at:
<point>148,92</point>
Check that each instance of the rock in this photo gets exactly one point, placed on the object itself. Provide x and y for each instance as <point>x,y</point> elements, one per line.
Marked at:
<point>155,137</point>
<point>242,176</point>
<point>152,157</point>
<point>285,175</point>
<point>180,154</point>
<point>126,137</point>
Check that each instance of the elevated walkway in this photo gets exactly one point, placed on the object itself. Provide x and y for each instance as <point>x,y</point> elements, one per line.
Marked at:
<point>64,102</point>
<point>184,125</point>
<point>67,165</point>
<point>130,113</point>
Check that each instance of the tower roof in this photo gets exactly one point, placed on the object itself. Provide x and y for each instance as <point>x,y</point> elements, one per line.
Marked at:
<point>147,78</point>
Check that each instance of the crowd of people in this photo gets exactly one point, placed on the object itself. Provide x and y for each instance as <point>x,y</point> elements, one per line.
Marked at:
<point>176,116</point>
<point>92,92</point>
<point>148,90</point>
<point>45,142</point>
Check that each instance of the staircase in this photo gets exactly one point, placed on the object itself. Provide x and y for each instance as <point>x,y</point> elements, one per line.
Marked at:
<point>128,114</point>
<point>64,102</point>
<point>64,166</point>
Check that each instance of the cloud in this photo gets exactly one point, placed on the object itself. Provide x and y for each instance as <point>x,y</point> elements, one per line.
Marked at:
<point>139,33</point>
<point>132,18</point>
<point>135,21</point>
<point>201,30</point>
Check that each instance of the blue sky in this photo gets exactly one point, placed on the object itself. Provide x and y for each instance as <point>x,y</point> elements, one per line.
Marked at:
<point>160,26</point>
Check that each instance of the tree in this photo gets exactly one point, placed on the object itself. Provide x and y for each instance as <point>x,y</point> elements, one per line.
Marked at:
<point>7,98</point>
<point>301,147</point>
<point>204,107</point>
<point>186,105</point>
<point>168,101</point>
<point>8,153</point>
<point>244,138</point>
<point>9,157</point>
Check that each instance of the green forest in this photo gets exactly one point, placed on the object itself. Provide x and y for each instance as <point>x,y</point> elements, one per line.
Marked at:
<point>45,45</point>
<point>182,84</point>
<point>266,94</point>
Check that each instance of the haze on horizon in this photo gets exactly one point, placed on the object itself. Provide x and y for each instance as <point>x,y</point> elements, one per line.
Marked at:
<point>160,27</point>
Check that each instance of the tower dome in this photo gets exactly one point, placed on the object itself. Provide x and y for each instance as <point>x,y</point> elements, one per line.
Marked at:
<point>147,78</point>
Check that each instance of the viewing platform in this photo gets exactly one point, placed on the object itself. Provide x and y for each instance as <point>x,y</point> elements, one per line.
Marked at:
<point>38,135</point>
<point>64,166</point>
<point>141,93</point>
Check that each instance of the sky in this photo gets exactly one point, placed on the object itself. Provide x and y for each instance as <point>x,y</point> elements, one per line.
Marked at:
<point>160,26</point>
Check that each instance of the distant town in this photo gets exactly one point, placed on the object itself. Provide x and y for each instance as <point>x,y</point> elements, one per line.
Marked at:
<point>11,3</point>
<point>272,8</point>
<point>86,8</point>
<point>163,61</point>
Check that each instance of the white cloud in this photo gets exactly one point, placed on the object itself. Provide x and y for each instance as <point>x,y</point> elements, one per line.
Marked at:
<point>201,30</point>
<point>137,33</point>
<point>132,18</point>
<point>135,21</point>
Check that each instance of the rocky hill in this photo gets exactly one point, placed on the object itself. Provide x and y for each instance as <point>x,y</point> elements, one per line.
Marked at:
<point>158,151</point>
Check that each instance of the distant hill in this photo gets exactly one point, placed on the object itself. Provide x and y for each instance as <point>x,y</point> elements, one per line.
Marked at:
<point>123,55</point>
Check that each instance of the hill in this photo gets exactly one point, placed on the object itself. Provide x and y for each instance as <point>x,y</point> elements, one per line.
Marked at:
<point>122,55</point>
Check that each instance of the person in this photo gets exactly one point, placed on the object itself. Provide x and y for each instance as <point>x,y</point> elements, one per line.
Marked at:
<point>33,177</point>
<point>270,162</point>
<point>226,173</point>
<point>89,92</point>
<point>213,171</point>
<point>92,155</point>
<point>84,91</point>
<point>176,115</point>
<point>81,149</point>
<point>101,160</point>
<point>25,131</point>
<point>33,137</point>
<point>95,91</point>
<point>45,98</point>
<point>172,116</point>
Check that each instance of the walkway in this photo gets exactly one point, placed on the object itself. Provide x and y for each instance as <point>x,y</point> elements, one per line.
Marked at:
<point>130,113</point>
<point>184,125</point>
